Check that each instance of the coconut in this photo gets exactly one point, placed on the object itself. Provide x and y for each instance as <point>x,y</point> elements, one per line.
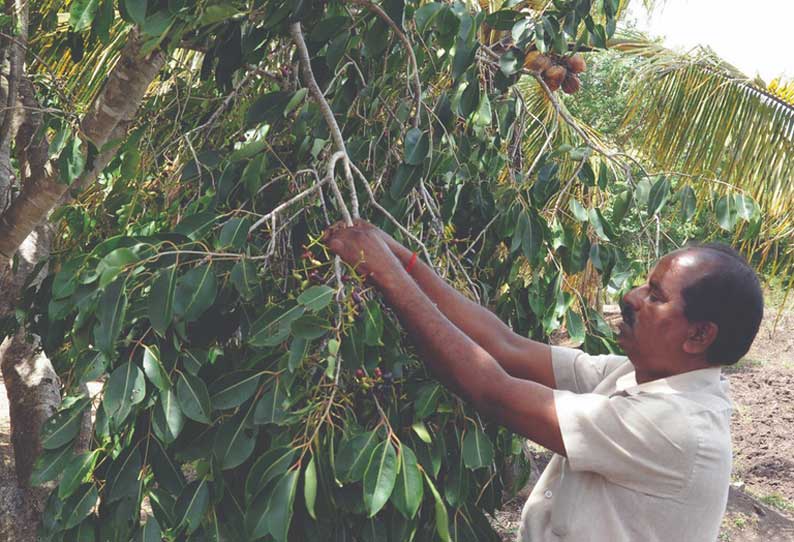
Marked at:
<point>571,83</point>
<point>576,63</point>
<point>537,61</point>
<point>554,77</point>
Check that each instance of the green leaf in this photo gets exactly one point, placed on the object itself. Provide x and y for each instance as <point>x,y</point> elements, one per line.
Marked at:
<point>76,472</point>
<point>598,223</point>
<point>160,301</point>
<point>442,520</point>
<point>166,471</point>
<point>409,489</point>
<point>688,202</point>
<point>427,400</point>
<point>512,61</point>
<point>416,147</point>
<point>82,13</point>
<point>310,327</point>
<point>65,282</point>
<point>244,278</point>
<point>167,417</point>
<point>575,326</point>
<point>122,478</point>
<point>316,298</point>
<point>295,101</point>
<point>727,213</point>
<point>298,349</point>
<point>660,191</point>
<point>270,330</point>
<point>79,506</point>
<point>125,388</point>
<point>579,212</point>
<point>234,233</point>
<point>234,389</point>
<point>373,323</point>
<point>136,10</point>
<point>421,431</point>
<point>267,108</point>
<point>273,513</point>
<point>404,179</point>
<point>310,487</point>
<point>477,449</point>
<point>234,442</point>
<point>153,368</point>
<point>270,408</point>
<point>353,456</point>
<point>191,504</point>
<point>50,464</point>
<point>272,464</point>
<point>425,14</point>
<point>620,207</point>
<point>746,207</point>
<point>71,162</point>
<point>532,236</point>
<point>195,292</point>
<point>63,426</point>
<point>197,225</point>
<point>114,263</point>
<point>193,398</point>
<point>111,313</point>
<point>380,477</point>
<point>150,531</point>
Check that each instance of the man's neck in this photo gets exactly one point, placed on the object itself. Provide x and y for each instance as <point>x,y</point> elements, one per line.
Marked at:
<point>685,366</point>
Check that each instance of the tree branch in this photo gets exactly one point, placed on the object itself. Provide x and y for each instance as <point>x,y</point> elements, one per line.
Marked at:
<point>328,114</point>
<point>16,58</point>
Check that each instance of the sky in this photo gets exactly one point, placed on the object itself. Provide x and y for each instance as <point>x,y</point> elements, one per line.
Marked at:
<point>755,36</point>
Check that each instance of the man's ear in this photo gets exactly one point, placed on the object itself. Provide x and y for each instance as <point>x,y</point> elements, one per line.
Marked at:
<point>701,336</point>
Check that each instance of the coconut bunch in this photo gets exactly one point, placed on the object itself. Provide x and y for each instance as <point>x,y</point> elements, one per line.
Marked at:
<point>556,70</point>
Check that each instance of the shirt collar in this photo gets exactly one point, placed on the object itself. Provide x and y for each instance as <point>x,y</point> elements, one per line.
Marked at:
<point>685,382</point>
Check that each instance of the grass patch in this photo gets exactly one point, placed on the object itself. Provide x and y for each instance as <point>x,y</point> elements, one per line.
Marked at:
<point>776,500</point>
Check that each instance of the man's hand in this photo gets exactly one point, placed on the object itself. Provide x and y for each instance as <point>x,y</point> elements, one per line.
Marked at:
<point>363,248</point>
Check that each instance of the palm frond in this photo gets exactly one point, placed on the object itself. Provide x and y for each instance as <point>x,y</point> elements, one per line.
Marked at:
<point>695,113</point>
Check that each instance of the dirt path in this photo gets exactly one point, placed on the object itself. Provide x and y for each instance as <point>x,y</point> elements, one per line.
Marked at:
<point>761,501</point>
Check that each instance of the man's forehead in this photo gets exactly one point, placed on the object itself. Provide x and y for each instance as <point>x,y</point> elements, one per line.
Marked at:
<point>680,266</point>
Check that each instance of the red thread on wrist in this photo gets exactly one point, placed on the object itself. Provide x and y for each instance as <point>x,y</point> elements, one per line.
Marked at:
<point>411,263</point>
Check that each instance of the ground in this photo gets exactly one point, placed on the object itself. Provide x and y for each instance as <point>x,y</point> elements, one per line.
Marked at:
<point>761,503</point>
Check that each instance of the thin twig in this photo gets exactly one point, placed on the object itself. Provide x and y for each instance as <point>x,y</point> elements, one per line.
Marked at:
<point>388,215</point>
<point>409,49</point>
<point>287,203</point>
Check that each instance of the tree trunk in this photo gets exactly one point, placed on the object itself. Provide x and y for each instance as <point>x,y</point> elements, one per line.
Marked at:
<point>115,104</point>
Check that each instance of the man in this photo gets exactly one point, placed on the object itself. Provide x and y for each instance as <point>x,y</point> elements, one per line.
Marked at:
<point>643,443</point>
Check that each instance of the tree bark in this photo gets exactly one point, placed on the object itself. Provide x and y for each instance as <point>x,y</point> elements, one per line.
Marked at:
<point>116,103</point>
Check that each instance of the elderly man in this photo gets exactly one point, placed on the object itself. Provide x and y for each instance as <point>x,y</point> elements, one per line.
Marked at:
<point>642,443</point>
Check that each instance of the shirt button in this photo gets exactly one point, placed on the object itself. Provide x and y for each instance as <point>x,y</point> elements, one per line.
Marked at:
<point>548,494</point>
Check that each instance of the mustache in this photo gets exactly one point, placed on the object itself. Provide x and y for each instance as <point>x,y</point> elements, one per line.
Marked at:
<point>627,312</point>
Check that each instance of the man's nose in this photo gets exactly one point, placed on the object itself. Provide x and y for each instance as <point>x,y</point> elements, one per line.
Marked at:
<point>632,298</point>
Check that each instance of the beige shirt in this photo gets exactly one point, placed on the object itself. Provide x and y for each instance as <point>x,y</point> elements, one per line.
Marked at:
<point>648,462</point>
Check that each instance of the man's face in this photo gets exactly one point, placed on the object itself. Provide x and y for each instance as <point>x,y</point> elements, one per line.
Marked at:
<point>654,328</point>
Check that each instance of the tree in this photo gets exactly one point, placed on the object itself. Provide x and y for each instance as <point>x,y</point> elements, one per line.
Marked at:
<point>255,389</point>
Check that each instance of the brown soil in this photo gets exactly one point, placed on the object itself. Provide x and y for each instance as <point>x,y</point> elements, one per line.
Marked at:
<point>761,501</point>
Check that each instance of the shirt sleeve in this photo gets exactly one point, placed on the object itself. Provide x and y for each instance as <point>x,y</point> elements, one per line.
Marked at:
<point>640,442</point>
<point>579,372</point>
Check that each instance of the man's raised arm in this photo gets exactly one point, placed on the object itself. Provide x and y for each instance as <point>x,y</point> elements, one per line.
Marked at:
<point>520,357</point>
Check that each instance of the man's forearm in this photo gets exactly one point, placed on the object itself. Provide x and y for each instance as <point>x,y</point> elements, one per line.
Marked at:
<point>526,361</point>
<point>468,369</point>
